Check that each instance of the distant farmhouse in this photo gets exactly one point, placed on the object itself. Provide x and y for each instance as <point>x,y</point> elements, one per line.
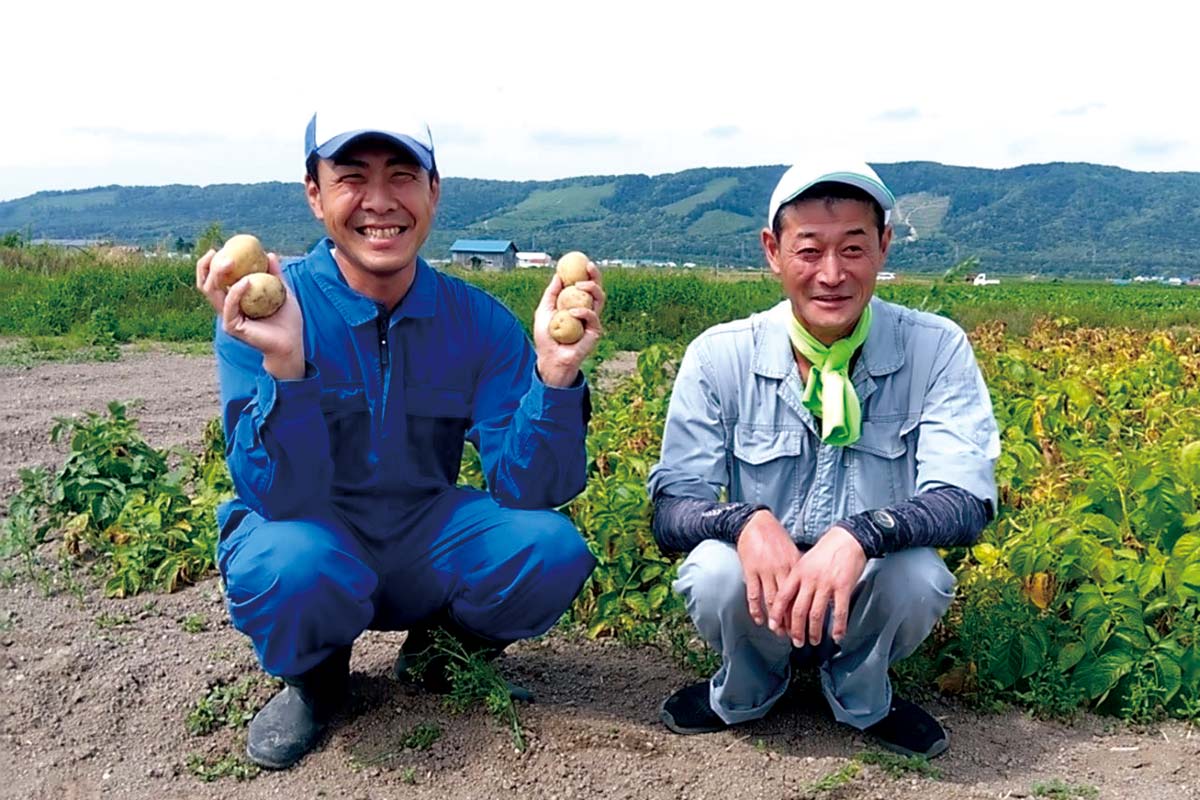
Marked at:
<point>534,259</point>
<point>490,254</point>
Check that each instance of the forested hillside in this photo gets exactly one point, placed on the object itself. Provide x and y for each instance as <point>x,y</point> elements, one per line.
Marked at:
<point>1068,219</point>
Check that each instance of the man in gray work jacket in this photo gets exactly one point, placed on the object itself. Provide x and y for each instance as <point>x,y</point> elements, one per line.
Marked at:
<point>852,437</point>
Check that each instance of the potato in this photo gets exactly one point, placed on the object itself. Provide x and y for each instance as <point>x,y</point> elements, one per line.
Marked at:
<point>247,255</point>
<point>572,267</point>
<point>564,328</point>
<point>264,295</point>
<point>573,297</point>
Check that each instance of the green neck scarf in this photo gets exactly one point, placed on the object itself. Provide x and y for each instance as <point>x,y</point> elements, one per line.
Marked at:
<point>829,393</point>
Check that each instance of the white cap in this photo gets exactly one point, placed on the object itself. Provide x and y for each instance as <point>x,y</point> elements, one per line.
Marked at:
<point>804,175</point>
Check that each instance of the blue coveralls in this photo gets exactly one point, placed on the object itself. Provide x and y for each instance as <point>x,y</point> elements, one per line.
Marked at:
<point>347,516</point>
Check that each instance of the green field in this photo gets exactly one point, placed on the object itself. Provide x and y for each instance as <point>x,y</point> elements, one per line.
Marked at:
<point>51,294</point>
<point>1085,592</point>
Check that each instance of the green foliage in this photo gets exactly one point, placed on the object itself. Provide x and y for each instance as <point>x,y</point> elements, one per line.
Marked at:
<point>228,705</point>
<point>836,779</point>
<point>120,502</point>
<point>893,765</point>
<point>689,650</point>
<point>81,298</point>
<point>629,592</point>
<point>1058,789</point>
<point>213,238</point>
<point>422,737</point>
<point>209,769</point>
<point>103,333</point>
<point>897,766</point>
<point>1087,590</point>
<point>107,620</point>
<point>474,681</point>
<point>194,623</point>
<point>19,530</point>
<point>54,292</point>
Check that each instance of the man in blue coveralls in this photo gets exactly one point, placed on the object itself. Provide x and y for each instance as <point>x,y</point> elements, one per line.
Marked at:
<point>345,414</point>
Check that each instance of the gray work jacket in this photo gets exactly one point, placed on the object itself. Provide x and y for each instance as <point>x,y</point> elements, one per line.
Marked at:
<point>736,421</point>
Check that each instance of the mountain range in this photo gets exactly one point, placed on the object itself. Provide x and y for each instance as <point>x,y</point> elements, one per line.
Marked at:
<point>1057,219</point>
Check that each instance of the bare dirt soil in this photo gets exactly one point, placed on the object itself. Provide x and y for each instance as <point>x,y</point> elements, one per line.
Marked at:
<point>95,693</point>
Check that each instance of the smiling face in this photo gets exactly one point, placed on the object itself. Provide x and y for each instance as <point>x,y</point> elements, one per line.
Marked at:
<point>377,204</point>
<point>827,255</point>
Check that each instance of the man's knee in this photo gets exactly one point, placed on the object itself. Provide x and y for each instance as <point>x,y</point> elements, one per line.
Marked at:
<point>532,569</point>
<point>914,583</point>
<point>560,548</point>
<point>711,579</point>
<point>286,561</point>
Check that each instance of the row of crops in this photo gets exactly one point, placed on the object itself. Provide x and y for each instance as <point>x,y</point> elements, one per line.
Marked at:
<point>1085,593</point>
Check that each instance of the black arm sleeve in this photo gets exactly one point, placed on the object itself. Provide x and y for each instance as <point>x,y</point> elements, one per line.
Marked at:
<point>943,517</point>
<point>681,523</point>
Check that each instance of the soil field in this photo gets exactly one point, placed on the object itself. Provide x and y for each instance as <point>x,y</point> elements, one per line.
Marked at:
<point>96,692</point>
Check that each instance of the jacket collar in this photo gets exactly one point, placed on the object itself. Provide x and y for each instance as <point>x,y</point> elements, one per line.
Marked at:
<point>357,309</point>
<point>881,354</point>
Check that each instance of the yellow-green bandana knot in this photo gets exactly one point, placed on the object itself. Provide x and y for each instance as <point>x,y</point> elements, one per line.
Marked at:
<point>829,393</point>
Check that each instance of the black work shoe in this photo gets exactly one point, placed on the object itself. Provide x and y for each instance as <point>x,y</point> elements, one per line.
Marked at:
<point>910,730</point>
<point>289,725</point>
<point>688,711</point>
<point>419,662</point>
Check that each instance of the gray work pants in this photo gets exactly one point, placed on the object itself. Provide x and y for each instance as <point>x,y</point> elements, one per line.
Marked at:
<point>894,607</point>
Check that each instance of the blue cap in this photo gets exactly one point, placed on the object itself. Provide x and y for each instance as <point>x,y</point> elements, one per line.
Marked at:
<point>329,131</point>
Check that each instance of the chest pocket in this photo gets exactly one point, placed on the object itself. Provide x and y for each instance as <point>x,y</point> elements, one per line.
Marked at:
<point>880,465</point>
<point>437,424</point>
<point>348,419</point>
<point>766,464</point>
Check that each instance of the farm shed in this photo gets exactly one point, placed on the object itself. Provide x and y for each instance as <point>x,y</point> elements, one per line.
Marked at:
<point>492,254</point>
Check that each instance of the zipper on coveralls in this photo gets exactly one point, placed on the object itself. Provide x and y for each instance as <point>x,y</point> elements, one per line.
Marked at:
<point>381,326</point>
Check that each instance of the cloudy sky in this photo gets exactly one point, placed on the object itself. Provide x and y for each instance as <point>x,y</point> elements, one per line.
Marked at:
<point>219,92</point>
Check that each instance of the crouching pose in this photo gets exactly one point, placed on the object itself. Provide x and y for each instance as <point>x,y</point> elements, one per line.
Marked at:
<point>345,414</point>
<point>852,437</point>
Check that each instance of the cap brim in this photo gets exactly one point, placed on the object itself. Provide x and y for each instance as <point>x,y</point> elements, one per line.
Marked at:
<point>335,145</point>
<point>873,187</point>
<point>877,190</point>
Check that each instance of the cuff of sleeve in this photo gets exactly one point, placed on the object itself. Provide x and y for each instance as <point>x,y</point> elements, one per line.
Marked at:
<point>281,397</point>
<point>739,517</point>
<point>547,400</point>
<point>869,538</point>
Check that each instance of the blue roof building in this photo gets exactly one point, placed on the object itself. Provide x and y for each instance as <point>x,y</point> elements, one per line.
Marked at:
<point>492,254</point>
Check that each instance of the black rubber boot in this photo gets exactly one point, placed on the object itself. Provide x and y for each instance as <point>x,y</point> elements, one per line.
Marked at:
<point>289,725</point>
<point>419,650</point>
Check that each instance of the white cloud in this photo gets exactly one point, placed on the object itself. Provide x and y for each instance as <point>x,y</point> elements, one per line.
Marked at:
<point>139,92</point>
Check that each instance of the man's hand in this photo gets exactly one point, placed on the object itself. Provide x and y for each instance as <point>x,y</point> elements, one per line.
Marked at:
<point>768,555</point>
<point>558,364</point>
<point>279,337</point>
<point>826,573</point>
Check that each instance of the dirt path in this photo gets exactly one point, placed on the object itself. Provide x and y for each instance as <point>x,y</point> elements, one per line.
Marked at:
<point>95,694</point>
